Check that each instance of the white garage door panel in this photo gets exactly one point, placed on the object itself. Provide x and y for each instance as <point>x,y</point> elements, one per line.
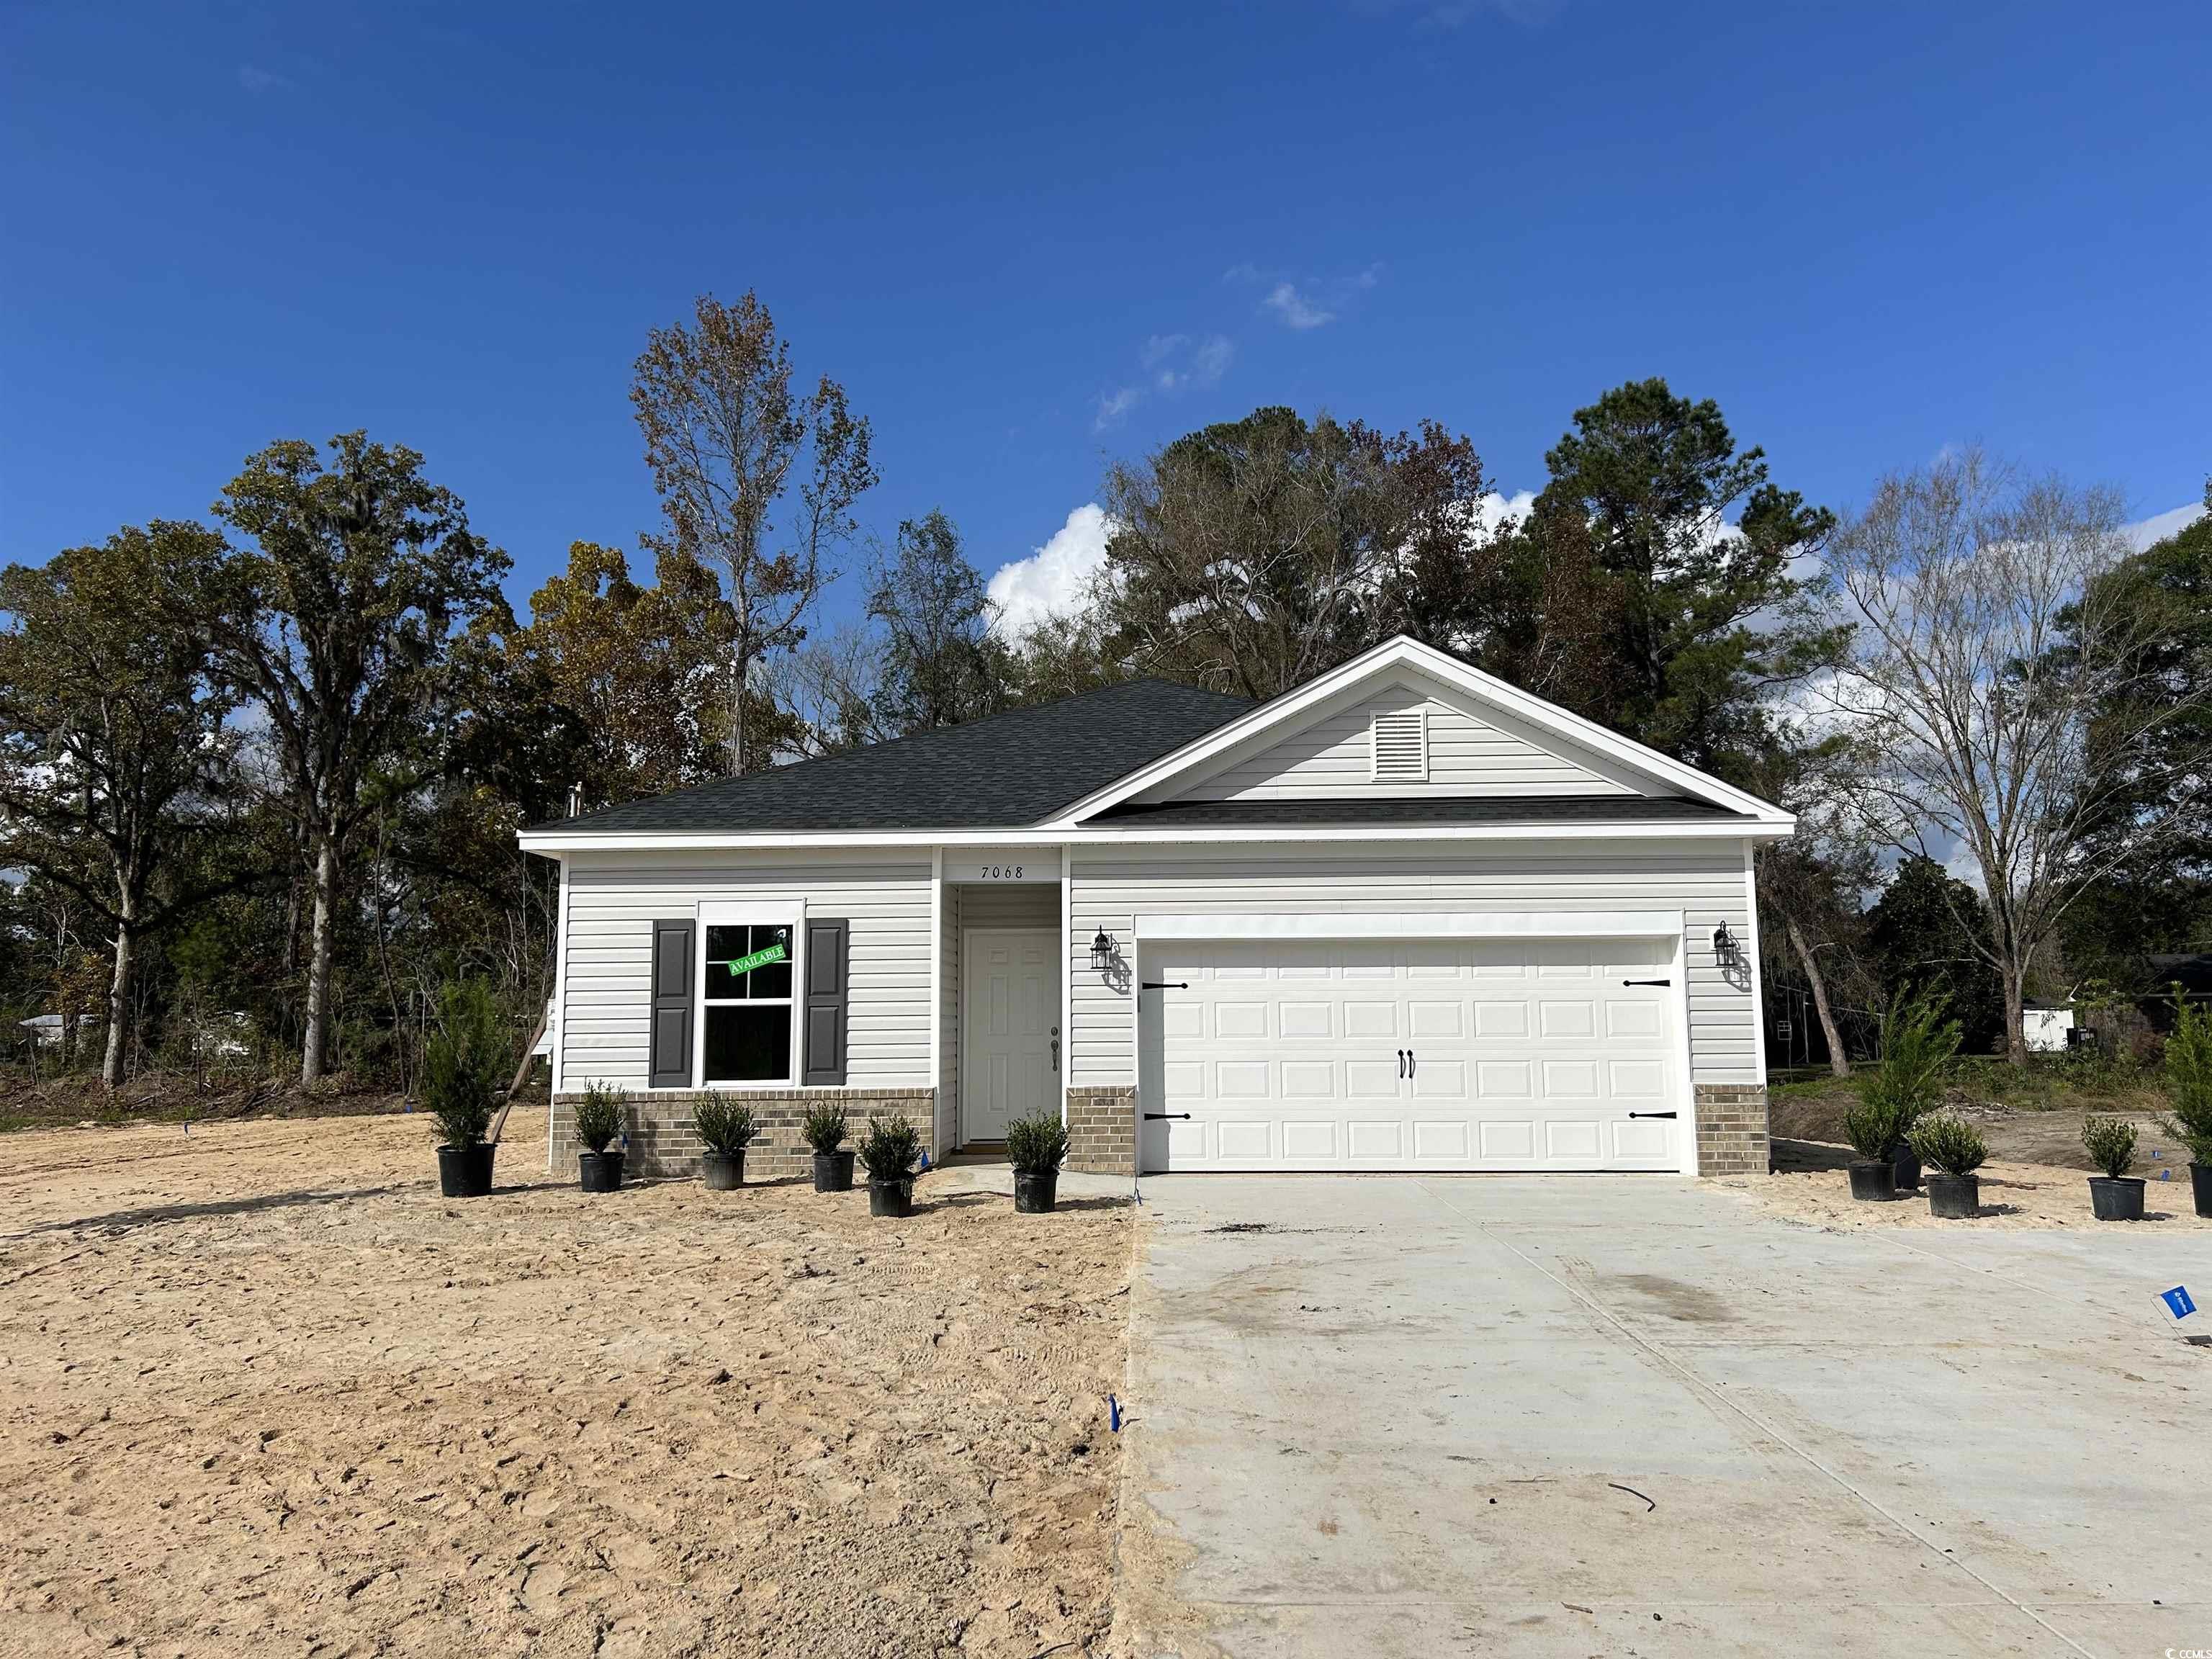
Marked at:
<point>1525,1055</point>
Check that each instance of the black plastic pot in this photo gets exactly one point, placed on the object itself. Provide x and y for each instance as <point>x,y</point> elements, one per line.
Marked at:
<point>833,1172</point>
<point>1954,1198</point>
<point>723,1172</point>
<point>1906,1163</point>
<point>465,1171</point>
<point>2116,1198</point>
<point>2200,1186</point>
<point>1874,1180</point>
<point>1035,1191</point>
<point>891,1198</point>
<point>600,1172</point>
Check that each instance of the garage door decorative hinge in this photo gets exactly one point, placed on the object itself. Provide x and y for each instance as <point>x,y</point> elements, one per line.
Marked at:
<point>1165,985</point>
<point>1154,1117</point>
<point>1654,1115</point>
<point>1647,981</point>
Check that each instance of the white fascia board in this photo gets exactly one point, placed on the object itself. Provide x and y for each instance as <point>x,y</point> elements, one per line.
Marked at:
<point>1468,923</point>
<point>1775,826</point>
<point>1441,665</point>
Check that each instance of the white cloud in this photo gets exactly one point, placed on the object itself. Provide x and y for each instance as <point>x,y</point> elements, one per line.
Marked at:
<point>1178,365</point>
<point>1113,405</point>
<point>1493,512</point>
<point>2157,528</point>
<point>1294,308</point>
<point>1055,579</point>
<point>254,78</point>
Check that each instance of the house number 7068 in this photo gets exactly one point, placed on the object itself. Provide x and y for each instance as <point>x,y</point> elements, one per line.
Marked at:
<point>1002,872</point>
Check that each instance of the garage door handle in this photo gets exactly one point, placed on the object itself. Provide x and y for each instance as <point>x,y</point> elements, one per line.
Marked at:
<point>1402,1065</point>
<point>1647,981</point>
<point>1653,1114</point>
<point>1154,1117</point>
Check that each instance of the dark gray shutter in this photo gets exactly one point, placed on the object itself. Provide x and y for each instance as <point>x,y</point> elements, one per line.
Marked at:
<point>823,1061</point>
<point>671,1064</point>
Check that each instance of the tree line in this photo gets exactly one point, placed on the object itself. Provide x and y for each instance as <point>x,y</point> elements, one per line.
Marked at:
<point>260,777</point>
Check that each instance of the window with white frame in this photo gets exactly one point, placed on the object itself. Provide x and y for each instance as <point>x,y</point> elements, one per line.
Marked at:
<point>745,1012</point>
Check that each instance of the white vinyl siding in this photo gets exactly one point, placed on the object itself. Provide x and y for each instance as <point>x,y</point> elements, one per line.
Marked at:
<point>1467,754</point>
<point>614,898</point>
<point>1012,904</point>
<point>1110,887</point>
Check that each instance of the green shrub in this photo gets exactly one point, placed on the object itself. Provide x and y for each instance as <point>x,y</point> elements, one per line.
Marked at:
<point>2110,1142</point>
<point>889,1150</point>
<point>1918,1045</point>
<point>598,1116</point>
<point>1036,1145</point>
<point>1950,1143</point>
<point>727,1125</point>
<point>826,1127</point>
<point>462,1063</point>
<point>1873,1129</point>
<point>2189,1077</point>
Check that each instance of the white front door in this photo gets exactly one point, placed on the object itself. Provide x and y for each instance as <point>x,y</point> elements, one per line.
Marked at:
<point>1009,1028</point>
<point>1412,1054</point>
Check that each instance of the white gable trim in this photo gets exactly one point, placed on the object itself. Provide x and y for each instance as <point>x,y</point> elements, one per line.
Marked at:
<point>1481,688</point>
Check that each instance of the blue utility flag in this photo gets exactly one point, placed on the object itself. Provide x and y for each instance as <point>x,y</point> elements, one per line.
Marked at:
<point>2177,1302</point>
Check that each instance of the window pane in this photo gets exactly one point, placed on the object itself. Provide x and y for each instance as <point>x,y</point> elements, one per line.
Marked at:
<point>748,1045</point>
<point>736,942</point>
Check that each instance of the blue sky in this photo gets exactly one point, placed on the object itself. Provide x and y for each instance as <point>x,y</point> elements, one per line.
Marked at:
<point>1030,237</point>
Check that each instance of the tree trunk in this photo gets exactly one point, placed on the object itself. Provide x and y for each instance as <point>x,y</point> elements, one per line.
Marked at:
<point>118,1001</point>
<point>2015,999</point>
<point>1839,1062</point>
<point>319,959</point>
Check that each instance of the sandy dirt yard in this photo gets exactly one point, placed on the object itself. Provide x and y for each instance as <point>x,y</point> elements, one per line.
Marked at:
<point>264,1390</point>
<point>1811,1184</point>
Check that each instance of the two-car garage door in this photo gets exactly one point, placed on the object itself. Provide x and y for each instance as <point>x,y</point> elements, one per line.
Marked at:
<point>1411,1053</point>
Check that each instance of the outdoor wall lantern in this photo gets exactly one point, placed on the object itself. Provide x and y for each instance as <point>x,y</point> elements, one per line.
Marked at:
<point>1102,951</point>
<point>1726,949</point>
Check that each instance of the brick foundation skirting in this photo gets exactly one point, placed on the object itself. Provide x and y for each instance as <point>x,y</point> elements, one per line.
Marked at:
<point>1102,1131</point>
<point>664,1141</point>
<point>1732,1129</point>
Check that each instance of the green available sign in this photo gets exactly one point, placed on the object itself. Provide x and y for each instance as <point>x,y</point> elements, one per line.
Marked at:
<point>740,966</point>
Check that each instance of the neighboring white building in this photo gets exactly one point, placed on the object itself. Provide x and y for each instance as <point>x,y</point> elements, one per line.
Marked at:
<point>1406,916</point>
<point>2046,1026</point>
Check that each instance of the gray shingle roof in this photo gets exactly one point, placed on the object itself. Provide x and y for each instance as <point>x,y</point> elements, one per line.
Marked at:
<point>1004,771</point>
<point>1404,809</point>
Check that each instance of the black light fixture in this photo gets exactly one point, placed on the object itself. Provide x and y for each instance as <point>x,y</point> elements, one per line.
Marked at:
<point>1102,951</point>
<point>1726,949</point>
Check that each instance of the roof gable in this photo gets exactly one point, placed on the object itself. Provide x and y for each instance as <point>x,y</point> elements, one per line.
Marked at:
<point>1470,751</point>
<point>1528,721</point>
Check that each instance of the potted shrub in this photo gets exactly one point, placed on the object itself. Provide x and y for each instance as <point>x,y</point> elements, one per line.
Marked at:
<point>2115,1195</point>
<point>1871,1126</point>
<point>825,1129</point>
<point>1956,1148</point>
<point>727,1127</point>
<point>1037,1147</point>
<point>2189,1081</point>
<point>599,1120</point>
<point>1917,1047</point>
<point>460,1069</point>
<point>890,1150</point>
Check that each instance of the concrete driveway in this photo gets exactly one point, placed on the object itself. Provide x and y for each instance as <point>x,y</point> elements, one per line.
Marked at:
<point>1393,1416</point>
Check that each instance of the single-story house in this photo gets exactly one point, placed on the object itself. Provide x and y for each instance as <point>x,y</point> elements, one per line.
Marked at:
<point>1405,916</point>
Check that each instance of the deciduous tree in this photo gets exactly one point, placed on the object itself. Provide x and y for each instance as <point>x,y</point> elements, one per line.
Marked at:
<point>731,442</point>
<point>113,749</point>
<point>340,622</point>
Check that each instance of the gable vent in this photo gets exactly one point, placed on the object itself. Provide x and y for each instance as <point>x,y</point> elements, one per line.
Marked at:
<point>1401,746</point>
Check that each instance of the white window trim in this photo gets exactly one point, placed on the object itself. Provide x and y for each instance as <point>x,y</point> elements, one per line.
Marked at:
<point>729,913</point>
